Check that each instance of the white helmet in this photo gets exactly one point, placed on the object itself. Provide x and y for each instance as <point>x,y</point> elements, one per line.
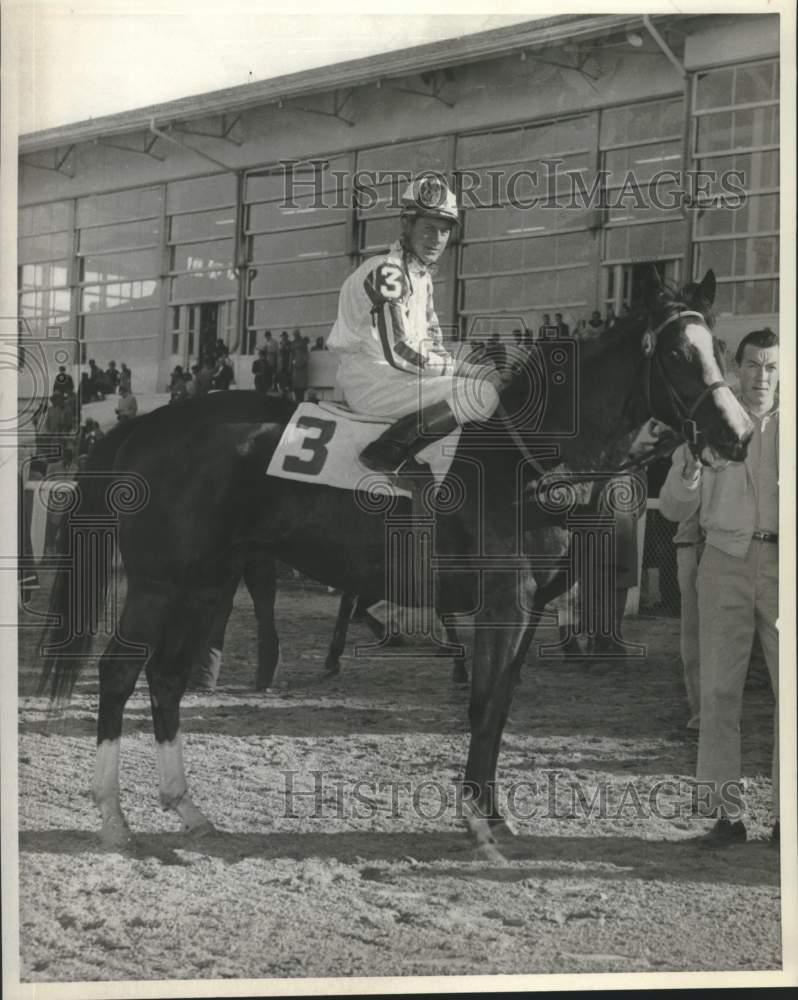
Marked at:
<point>429,194</point>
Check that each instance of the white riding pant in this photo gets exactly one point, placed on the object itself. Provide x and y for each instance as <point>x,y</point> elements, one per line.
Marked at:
<point>383,391</point>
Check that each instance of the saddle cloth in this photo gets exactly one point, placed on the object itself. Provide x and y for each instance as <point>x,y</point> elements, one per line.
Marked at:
<point>322,444</point>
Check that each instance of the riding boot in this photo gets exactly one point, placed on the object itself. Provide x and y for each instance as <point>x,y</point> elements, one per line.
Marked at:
<point>400,442</point>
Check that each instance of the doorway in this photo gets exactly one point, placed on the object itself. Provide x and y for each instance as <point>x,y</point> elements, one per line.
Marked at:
<point>624,284</point>
<point>196,327</point>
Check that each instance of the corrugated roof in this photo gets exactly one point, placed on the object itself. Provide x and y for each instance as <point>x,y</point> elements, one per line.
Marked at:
<point>357,72</point>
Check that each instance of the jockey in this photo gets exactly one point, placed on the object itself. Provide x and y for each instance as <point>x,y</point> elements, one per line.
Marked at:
<point>393,362</point>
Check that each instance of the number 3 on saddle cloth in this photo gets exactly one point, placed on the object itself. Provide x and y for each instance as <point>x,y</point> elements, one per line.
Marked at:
<point>322,444</point>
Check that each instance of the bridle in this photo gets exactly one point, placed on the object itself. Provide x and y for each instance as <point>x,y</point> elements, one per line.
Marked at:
<point>652,365</point>
<point>689,428</point>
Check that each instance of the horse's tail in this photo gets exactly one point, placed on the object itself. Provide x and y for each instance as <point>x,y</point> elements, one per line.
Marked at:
<point>84,565</point>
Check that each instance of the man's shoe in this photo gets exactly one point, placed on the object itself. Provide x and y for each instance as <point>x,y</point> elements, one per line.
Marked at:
<point>775,835</point>
<point>723,834</point>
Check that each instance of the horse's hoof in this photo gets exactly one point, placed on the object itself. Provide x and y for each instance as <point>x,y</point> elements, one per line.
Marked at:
<point>460,675</point>
<point>201,830</point>
<point>503,830</point>
<point>490,852</point>
<point>332,668</point>
<point>116,836</point>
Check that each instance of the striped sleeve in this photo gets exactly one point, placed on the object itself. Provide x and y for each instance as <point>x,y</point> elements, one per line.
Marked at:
<point>388,323</point>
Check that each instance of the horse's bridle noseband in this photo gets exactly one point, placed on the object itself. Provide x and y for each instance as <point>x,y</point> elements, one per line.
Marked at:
<point>689,428</point>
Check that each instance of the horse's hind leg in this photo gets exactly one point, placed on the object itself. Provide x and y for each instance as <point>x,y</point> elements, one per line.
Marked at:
<point>332,664</point>
<point>260,577</point>
<point>167,674</point>
<point>120,667</point>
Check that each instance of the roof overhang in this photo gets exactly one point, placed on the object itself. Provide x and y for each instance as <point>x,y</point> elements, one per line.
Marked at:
<point>528,35</point>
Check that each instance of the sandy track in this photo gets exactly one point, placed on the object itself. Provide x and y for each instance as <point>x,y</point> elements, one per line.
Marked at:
<point>331,884</point>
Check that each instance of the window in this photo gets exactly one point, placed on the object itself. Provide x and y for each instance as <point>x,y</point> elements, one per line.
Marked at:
<point>119,273</point>
<point>518,257</point>
<point>44,253</point>
<point>298,231</point>
<point>639,142</point>
<point>736,128</point>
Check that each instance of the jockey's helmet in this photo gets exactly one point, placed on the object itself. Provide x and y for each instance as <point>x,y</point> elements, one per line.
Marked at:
<point>430,195</point>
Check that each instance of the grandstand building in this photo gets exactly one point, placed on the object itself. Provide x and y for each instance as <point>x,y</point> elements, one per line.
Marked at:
<point>147,234</point>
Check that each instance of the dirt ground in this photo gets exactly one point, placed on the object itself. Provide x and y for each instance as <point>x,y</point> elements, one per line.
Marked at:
<point>363,880</point>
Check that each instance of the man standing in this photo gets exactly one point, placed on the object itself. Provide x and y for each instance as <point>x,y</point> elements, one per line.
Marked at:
<point>737,582</point>
<point>128,407</point>
<point>270,360</point>
<point>392,356</point>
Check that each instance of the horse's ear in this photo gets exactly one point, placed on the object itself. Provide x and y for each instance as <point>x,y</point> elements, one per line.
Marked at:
<point>652,287</point>
<point>707,287</point>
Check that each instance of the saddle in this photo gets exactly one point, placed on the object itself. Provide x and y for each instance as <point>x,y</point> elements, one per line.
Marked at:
<point>322,445</point>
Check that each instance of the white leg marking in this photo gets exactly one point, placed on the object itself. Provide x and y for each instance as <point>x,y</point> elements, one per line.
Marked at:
<point>174,790</point>
<point>105,790</point>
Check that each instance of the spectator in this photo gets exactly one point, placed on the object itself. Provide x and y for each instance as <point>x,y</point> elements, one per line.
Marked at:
<point>477,353</point>
<point>63,383</point>
<point>311,397</point>
<point>610,320</point>
<point>260,369</point>
<point>96,381</point>
<point>563,330</point>
<point>529,341</point>
<point>126,378</point>
<point>271,359</point>
<point>284,364</point>
<point>545,323</point>
<point>223,373</point>
<point>738,580</point>
<point>219,350</point>
<point>191,381</point>
<point>319,345</point>
<point>178,390</point>
<point>595,324</point>
<point>86,390</point>
<point>202,378</point>
<point>58,419</point>
<point>176,376</point>
<point>299,366</point>
<point>90,436</point>
<point>127,407</point>
<point>581,330</point>
<point>112,376</point>
<point>495,352</point>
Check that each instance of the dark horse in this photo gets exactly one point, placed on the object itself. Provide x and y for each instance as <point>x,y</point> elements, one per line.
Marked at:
<point>209,501</point>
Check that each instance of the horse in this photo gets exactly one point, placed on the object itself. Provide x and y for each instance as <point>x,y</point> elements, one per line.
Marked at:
<point>208,500</point>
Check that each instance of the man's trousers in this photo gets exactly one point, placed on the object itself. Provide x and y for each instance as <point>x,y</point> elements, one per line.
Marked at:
<point>736,597</point>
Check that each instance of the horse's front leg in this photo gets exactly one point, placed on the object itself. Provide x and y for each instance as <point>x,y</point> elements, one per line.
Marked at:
<point>499,636</point>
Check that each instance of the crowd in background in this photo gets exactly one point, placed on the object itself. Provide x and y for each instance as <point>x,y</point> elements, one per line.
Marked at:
<point>282,365</point>
<point>495,349</point>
